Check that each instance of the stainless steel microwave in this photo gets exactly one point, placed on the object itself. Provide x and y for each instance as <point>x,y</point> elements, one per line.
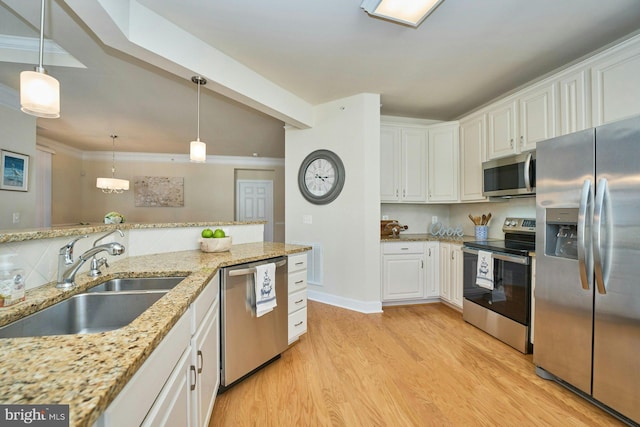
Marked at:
<point>513,176</point>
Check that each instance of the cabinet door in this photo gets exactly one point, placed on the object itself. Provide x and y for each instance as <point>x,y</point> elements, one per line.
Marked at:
<point>574,113</point>
<point>414,165</point>
<point>456,275</point>
<point>537,116</point>
<point>432,286</point>
<point>389,164</point>
<point>443,161</point>
<point>402,277</point>
<point>445,271</point>
<point>173,407</point>
<point>502,130</point>
<point>206,359</point>
<point>615,84</point>
<point>472,154</point>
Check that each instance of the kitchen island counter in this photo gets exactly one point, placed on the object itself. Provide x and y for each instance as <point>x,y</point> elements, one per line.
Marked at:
<point>88,371</point>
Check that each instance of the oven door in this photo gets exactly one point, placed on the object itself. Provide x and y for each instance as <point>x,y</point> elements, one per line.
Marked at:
<point>511,294</point>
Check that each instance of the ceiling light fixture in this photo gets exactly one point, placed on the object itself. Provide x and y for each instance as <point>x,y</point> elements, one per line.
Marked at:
<point>407,12</point>
<point>112,185</point>
<point>198,149</point>
<point>39,92</point>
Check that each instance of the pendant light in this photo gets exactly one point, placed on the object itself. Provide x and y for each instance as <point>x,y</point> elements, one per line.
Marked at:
<point>39,92</point>
<point>407,12</point>
<point>198,149</point>
<point>112,185</point>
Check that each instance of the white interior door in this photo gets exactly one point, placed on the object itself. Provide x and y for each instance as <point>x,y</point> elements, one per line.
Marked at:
<point>254,202</point>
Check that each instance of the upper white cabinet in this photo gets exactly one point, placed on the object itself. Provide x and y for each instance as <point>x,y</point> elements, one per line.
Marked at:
<point>472,154</point>
<point>501,139</point>
<point>403,163</point>
<point>574,102</point>
<point>537,107</point>
<point>615,83</point>
<point>443,162</point>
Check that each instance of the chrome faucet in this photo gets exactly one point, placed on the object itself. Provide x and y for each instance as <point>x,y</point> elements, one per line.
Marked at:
<point>94,270</point>
<point>67,267</point>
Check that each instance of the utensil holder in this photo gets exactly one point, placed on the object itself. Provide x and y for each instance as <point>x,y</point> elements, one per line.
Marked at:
<point>481,232</point>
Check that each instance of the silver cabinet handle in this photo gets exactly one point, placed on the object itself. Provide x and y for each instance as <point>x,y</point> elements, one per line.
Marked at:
<point>421,264</point>
<point>585,214</point>
<point>599,261</point>
<point>201,359</point>
<point>299,281</point>
<point>192,369</point>
<point>299,323</point>
<point>299,301</point>
<point>511,143</point>
<point>429,251</point>
<point>501,256</point>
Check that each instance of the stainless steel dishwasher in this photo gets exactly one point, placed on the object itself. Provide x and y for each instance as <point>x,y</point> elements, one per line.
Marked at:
<point>248,342</point>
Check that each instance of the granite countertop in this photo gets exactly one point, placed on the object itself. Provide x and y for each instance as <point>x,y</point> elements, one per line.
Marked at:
<point>7,236</point>
<point>427,238</point>
<point>88,371</point>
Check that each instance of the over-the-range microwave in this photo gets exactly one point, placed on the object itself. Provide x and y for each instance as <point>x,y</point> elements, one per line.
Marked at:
<point>513,176</point>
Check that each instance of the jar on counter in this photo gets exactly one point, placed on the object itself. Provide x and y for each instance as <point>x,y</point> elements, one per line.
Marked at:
<point>11,282</point>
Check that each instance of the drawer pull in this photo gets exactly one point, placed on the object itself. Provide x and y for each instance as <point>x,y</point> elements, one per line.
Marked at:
<point>404,249</point>
<point>299,301</point>
<point>298,324</point>
<point>195,377</point>
<point>300,263</point>
<point>299,281</point>
<point>201,361</point>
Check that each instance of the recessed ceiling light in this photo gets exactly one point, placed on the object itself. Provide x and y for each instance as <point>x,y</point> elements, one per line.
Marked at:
<point>407,12</point>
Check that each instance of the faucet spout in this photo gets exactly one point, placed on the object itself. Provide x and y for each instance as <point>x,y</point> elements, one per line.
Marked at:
<point>66,277</point>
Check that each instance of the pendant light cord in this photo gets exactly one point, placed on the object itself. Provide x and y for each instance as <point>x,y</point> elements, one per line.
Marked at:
<point>198,135</point>
<point>40,67</point>
<point>113,157</point>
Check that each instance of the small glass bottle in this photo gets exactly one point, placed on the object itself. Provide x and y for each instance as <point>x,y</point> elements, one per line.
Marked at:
<point>11,282</point>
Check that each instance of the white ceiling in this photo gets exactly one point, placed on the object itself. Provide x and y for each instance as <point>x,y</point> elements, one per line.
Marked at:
<point>465,54</point>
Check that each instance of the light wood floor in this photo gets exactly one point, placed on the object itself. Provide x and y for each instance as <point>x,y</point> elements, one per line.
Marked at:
<point>416,365</point>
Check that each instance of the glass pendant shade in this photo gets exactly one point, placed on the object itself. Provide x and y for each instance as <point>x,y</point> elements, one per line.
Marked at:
<point>39,94</point>
<point>198,151</point>
<point>112,185</point>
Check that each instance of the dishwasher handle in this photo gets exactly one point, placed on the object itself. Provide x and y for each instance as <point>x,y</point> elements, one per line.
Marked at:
<point>252,270</point>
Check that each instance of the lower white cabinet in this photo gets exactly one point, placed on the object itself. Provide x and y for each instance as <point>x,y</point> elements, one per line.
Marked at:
<point>178,383</point>
<point>297,279</point>
<point>451,273</point>
<point>432,274</point>
<point>403,269</point>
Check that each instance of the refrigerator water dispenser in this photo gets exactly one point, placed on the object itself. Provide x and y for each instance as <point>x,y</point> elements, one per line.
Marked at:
<point>562,233</point>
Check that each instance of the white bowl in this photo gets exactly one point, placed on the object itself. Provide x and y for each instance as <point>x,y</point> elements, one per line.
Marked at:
<point>213,244</point>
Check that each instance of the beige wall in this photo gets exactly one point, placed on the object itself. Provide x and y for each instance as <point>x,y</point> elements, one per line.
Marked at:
<point>18,134</point>
<point>209,189</point>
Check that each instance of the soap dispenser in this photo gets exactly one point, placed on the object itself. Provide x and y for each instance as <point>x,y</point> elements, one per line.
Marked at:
<point>11,282</point>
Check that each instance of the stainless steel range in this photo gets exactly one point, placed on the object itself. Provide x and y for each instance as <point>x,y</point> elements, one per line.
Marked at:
<point>499,302</point>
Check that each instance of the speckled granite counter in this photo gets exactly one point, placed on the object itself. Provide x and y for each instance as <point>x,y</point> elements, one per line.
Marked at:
<point>88,371</point>
<point>7,236</point>
<point>428,238</point>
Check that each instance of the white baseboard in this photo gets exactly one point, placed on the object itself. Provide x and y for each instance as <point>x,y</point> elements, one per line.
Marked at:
<point>348,303</point>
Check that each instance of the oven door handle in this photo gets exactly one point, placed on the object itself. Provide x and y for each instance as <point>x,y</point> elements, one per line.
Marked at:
<point>517,259</point>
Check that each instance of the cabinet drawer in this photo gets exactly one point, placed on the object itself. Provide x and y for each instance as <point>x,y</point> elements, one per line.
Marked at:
<point>297,300</point>
<point>403,248</point>
<point>297,323</point>
<point>207,298</point>
<point>297,280</point>
<point>297,262</point>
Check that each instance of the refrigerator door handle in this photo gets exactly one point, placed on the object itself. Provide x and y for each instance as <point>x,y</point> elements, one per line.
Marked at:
<point>585,214</point>
<point>527,173</point>
<point>601,275</point>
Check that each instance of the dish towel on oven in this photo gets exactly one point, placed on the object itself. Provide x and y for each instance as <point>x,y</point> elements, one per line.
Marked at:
<point>484,276</point>
<point>265,284</point>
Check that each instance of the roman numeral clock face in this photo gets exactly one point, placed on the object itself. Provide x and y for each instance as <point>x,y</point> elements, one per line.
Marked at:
<point>321,177</point>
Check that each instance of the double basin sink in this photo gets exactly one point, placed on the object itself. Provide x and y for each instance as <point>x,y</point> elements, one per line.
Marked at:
<point>105,307</point>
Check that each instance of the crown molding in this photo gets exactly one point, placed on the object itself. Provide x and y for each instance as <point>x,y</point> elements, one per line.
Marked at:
<point>182,158</point>
<point>25,50</point>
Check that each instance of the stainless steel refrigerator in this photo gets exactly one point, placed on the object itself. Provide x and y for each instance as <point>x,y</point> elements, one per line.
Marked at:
<point>587,290</point>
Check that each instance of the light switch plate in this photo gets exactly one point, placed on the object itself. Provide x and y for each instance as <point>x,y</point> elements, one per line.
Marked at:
<point>307,219</point>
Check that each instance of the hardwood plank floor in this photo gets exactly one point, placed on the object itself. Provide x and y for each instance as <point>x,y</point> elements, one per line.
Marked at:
<point>419,365</point>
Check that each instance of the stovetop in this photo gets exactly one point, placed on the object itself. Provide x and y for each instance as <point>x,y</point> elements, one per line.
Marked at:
<point>519,238</point>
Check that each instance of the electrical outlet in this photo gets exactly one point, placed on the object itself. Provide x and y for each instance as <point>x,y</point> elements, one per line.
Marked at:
<point>307,219</point>
<point>434,219</point>
<point>385,217</point>
<point>16,217</point>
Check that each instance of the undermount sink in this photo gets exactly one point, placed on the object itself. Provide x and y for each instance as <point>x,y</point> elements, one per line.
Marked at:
<point>83,314</point>
<point>138,284</point>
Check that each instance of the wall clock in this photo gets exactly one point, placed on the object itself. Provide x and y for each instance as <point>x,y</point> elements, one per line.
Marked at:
<point>321,177</point>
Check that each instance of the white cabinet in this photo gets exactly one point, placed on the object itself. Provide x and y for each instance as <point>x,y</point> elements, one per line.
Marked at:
<point>615,83</point>
<point>297,320</point>
<point>403,276</point>
<point>501,135</point>
<point>451,273</point>
<point>472,154</point>
<point>403,163</point>
<point>432,270</point>
<point>575,112</point>
<point>178,382</point>
<point>443,163</point>
<point>537,107</point>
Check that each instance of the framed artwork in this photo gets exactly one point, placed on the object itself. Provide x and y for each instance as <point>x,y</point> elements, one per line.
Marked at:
<point>14,171</point>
